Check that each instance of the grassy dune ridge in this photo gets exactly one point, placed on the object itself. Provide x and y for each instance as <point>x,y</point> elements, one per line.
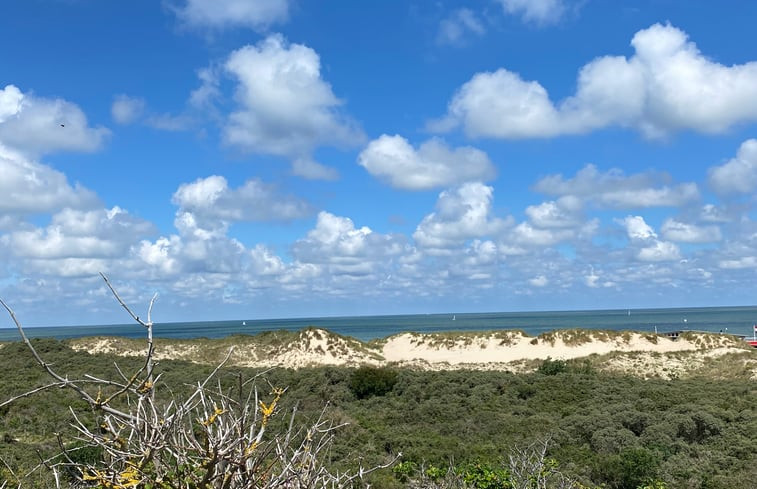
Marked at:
<point>636,353</point>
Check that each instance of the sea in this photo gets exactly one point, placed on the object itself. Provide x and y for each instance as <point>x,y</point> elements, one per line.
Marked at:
<point>731,320</point>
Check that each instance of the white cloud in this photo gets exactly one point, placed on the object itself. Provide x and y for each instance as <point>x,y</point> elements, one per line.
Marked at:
<point>666,86</point>
<point>689,233</point>
<point>29,187</point>
<point>336,243</point>
<point>211,199</point>
<point>90,234</point>
<point>500,105</point>
<point>285,107</point>
<point>462,213</point>
<point>126,109</point>
<point>536,11</point>
<point>265,262</point>
<point>11,99</point>
<point>37,125</point>
<point>432,165</point>
<point>738,175</point>
<point>659,251</point>
<point>191,252</point>
<point>256,14</point>
<point>556,214</point>
<point>203,248</point>
<point>455,27</point>
<point>637,228</point>
<point>616,190</point>
<point>539,281</point>
<point>526,234</point>
<point>162,254</point>
<point>644,238</point>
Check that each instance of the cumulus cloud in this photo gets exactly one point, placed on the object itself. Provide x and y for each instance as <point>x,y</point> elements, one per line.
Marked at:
<point>682,232</point>
<point>36,125</point>
<point>89,234</point>
<point>458,25</point>
<point>11,99</point>
<point>284,107</point>
<point>257,15</point>
<point>528,235</point>
<point>192,251</point>
<point>666,86</point>
<point>562,213</point>
<point>432,165</point>
<point>462,213</point>
<point>206,202</point>
<point>616,190</point>
<point>659,251</point>
<point>126,109</point>
<point>644,238</point>
<point>203,248</point>
<point>29,187</point>
<point>344,248</point>
<point>738,175</point>
<point>539,281</point>
<point>264,262</point>
<point>637,228</point>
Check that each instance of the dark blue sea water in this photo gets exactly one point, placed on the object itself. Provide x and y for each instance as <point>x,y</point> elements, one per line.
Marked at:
<point>734,320</point>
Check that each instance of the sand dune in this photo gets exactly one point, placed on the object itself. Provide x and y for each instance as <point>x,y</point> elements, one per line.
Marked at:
<point>632,352</point>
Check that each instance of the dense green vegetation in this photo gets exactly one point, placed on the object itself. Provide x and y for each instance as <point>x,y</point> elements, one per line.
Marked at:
<point>616,431</point>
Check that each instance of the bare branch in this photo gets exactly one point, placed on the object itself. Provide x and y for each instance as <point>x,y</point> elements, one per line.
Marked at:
<point>123,304</point>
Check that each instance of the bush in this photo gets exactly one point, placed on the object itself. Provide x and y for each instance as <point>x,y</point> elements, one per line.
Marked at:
<point>372,381</point>
<point>481,475</point>
<point>552,367</point>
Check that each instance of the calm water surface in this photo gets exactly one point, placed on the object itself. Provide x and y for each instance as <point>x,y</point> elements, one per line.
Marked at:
<point>734,320</point>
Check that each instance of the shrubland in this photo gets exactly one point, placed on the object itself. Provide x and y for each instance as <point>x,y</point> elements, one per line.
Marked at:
<point>77,419</point>
<point>608,430</point>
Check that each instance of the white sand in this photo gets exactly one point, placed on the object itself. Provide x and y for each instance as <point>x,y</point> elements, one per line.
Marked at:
<point>408,347</point>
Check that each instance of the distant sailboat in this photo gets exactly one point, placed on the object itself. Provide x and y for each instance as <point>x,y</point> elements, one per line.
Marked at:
<point>244,323</point>
<point>629,312</point>
<point>453,317</point>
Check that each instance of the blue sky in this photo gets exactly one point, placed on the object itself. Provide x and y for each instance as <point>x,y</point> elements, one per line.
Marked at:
<point>280,158</point>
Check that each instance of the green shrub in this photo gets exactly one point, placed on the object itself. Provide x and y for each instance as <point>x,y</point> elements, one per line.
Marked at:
<point>372,381</point>
<point>482,475</point>
<point>552,367</point>
<point>404,471</point>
